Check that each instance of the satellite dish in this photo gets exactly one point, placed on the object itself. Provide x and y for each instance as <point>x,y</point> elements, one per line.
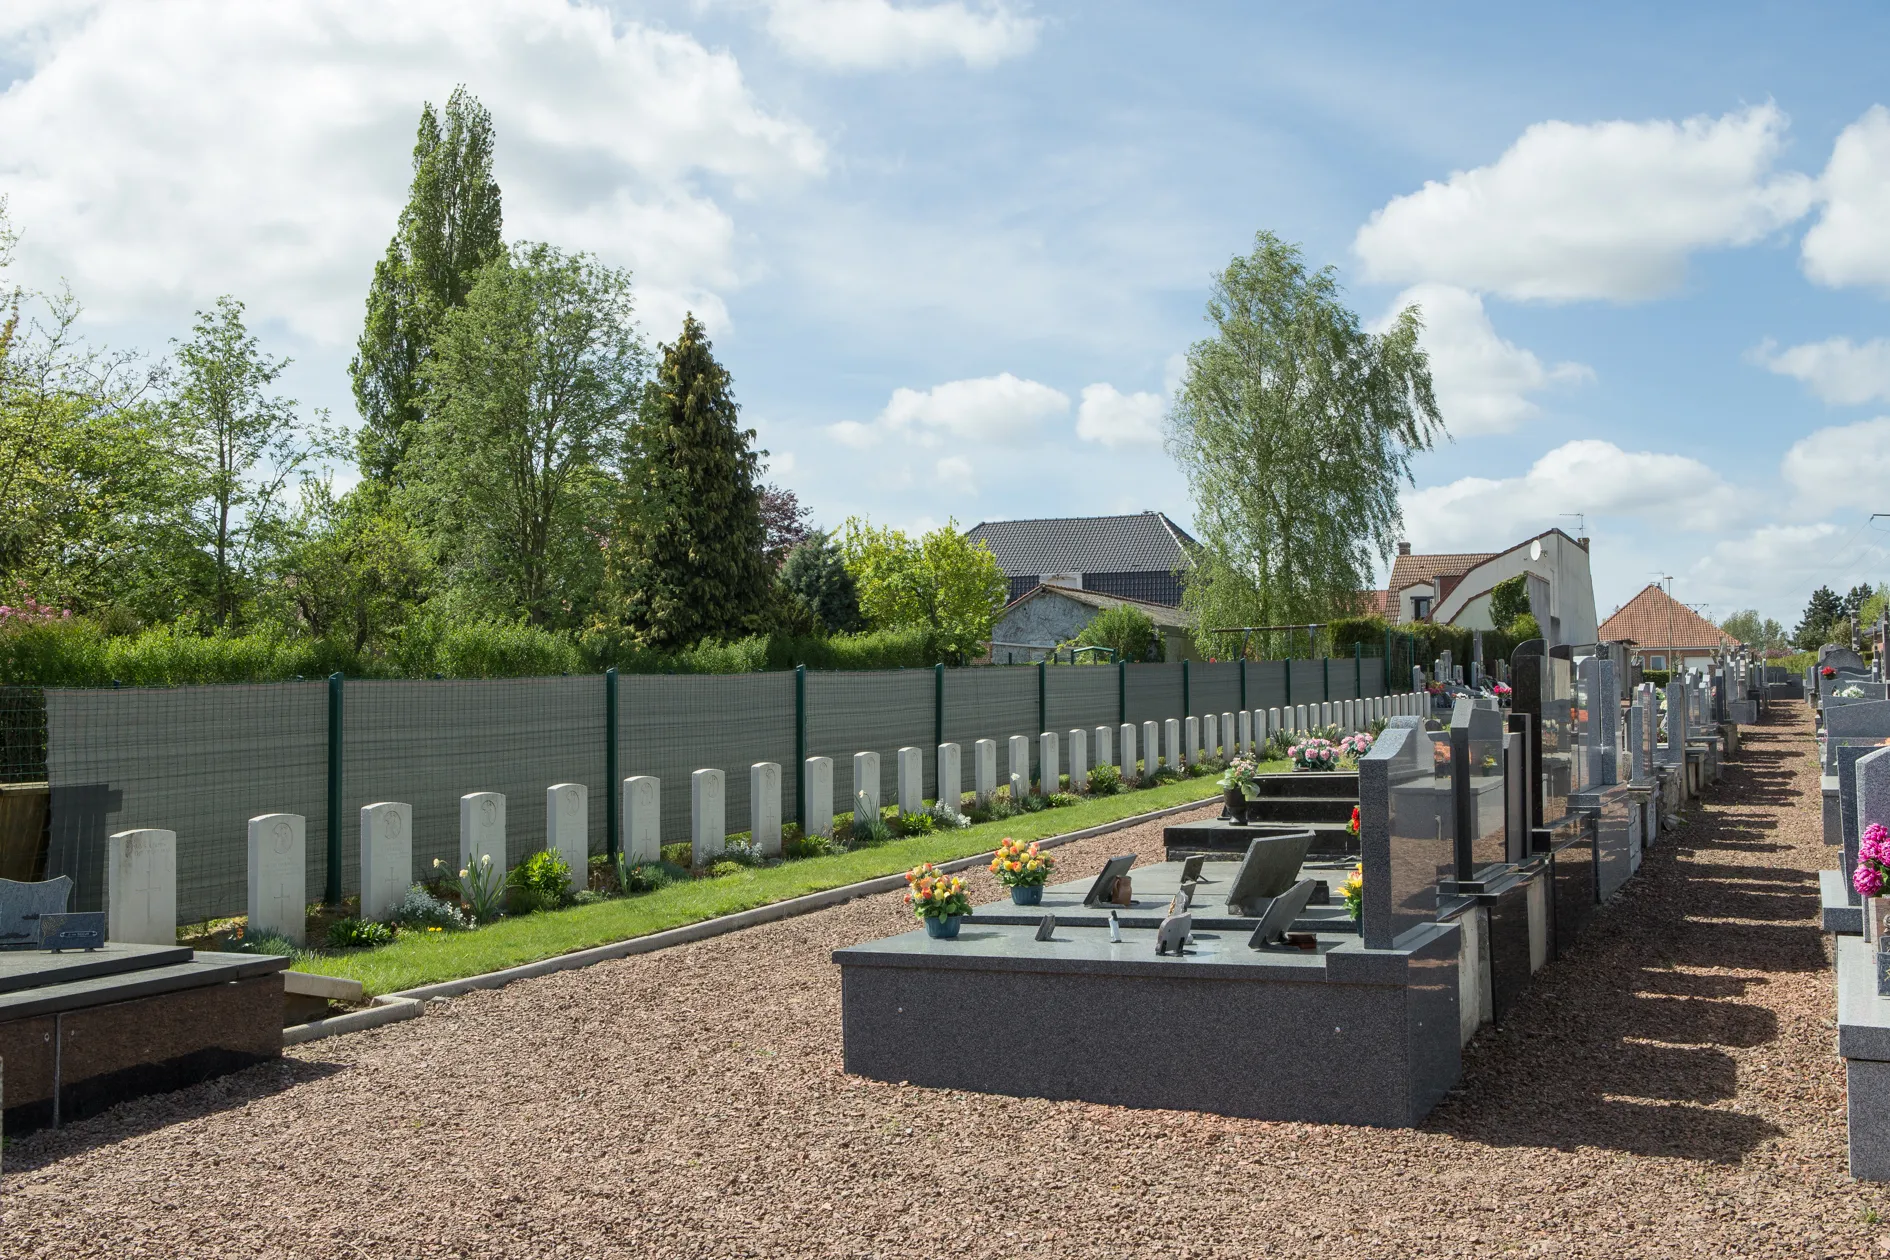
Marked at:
<point>1535,549</point>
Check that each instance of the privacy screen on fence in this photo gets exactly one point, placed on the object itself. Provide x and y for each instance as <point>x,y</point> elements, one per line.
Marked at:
<point>202,761</point>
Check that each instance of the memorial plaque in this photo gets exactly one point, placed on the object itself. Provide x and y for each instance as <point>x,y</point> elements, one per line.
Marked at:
<point>1281,914</point>
<point>1174,935</point>
<point>1046,927</point>
<point>84,930</point>
<point>1102,891</point>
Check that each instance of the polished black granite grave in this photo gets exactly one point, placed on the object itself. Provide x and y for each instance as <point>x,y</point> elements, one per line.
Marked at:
<point>1154,886</point>
<point>1336,1034</point>
<point>83,1031</point>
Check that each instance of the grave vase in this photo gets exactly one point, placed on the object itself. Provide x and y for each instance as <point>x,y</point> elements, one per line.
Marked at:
<point>942,928</point>
<point>1236,801</point>
<point>1026,894</point>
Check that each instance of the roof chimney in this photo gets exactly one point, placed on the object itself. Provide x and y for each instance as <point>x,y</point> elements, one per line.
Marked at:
<point>1582,543</point>
<point>1404,548</point>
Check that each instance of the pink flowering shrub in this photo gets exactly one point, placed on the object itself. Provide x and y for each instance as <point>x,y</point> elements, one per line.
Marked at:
<point>1355,745</point>
<point>1314,754</point>
<point>1873,861</point>
<point>30,612</point>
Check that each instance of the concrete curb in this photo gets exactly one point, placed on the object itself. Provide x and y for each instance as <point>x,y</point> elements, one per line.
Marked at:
<point>386,1010</point>
<point>688,933</point>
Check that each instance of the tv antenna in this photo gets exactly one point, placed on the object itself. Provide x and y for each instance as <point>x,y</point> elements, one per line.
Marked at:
<point>1581,520</point>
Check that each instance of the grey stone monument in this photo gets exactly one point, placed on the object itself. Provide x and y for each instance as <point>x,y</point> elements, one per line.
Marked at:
<point>21,904</point>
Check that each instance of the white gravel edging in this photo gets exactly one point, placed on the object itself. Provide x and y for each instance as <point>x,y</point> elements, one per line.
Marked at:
<point>412,998</point>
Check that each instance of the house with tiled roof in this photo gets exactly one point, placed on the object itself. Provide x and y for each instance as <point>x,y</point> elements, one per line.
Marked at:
<point>1453,588</point>
<point>1033,624</point>
<point>1139,557</point>
<point>1661,631</point>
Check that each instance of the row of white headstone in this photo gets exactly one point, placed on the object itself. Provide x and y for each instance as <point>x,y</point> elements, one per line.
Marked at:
<point>141,865</point>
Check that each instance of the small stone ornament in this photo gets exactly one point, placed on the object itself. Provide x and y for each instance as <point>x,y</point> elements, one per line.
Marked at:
<point>85,930</point>
<point>1046,926</point>
<point>1115,929</point>
<point>1174,932</point>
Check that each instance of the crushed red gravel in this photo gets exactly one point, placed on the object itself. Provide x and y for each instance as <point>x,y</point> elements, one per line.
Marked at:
<point>1671,1089</point>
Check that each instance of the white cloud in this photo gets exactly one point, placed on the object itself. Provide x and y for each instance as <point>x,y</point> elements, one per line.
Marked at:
<point>878,35</point>
<point>1837,370</point>
<point>1483,383</point>
<point>1850,242</point>
<point>956,471</point>
<point>157,155</point>
<point>1842,466</point>
<point>1605,210</point>
<point>1001,410</point>
<point>1588,475</point>
<point>1116,419</point>
<point>854,434</point>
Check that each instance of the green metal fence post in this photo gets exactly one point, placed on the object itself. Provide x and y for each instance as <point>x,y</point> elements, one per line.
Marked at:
<point>938,704</point>
<point>612,793</point>
<point>1288,662</point>
<point>1358,671</point>
<point>800,745</point>
<point>1387,670</point>
<point>1243,684</point>
<point>331,895</point>
<point>1043,701</point>
<point>1187,701</point>
<point>1325,676</point>
<point>1122,692</point>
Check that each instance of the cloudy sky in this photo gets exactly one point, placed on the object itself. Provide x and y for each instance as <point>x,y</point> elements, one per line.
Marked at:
<point>952,251</point>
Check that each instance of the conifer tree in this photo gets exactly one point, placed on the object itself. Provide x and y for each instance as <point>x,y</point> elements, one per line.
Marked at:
<point>449,229</point>
<point>690,561</point>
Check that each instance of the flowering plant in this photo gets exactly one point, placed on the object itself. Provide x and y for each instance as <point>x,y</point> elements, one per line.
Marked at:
<point>1850,691</point>
<point>1240,774</point>
<point>1873,861</point>
<point>1500,689</point>
<point>1020,865</point>
<point>1829,671</point>
<point>1355,745</point>
<point>32,612</point>
<point>1314,754</point>
<point>1353,889</point>
<point>1351,828</point>
<point>932,894</point>
<point>1435,688</point>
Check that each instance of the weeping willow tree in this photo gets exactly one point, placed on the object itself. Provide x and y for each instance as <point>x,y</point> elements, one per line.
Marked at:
<point>1296,429</point>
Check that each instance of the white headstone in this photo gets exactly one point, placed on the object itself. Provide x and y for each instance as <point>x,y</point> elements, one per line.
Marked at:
<point>911,780</point>
<point>764,807</point>
<point>642,819</point>
<point>1300,720</point>
<point>1049,764</point>
<point>1229,749</point>
<point>1243,732</point>
<point>866,798</point>
<point>951,779</point>
<point>1125,751</point>
<point>1104,746</point>
<point>386,857</point>
<point>984,769</point>
<point>1079,759</point>
<point>568,829</point>
<point>482,832</point>
<point>278,876</point>
<point>819,793</point>
<point>1273,725</point>
<point>141,887</point>
<point>1151,747</point>
<point>1017,766</point>
<point>1191,733</point>
<point>1171,742</point>
<point>708,817</point>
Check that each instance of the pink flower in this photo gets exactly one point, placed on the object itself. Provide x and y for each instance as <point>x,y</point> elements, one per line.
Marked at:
<point>1867,880</point>
<point>1876,833</point>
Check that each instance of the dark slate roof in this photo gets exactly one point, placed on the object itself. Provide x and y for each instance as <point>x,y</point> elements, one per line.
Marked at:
<point>1086,544</point>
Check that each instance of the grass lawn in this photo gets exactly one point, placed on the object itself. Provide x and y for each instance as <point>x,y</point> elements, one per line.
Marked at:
<point>428,958</point>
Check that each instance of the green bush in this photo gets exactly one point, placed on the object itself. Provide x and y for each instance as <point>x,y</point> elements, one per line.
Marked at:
<point>917,824</point>
<point>1126,629</point>
<point>725,867</point>
<point>1659,677</point>
<point>358,934</point>
<point>865,832</point>
<point>1030,803</point>
<point>797,846</point>
<point>541,882</point>
<point>680,855</point>
<point>420,910</point>
<point>1104,780</point>
<point>645,877</point>
<point>1059,800</point>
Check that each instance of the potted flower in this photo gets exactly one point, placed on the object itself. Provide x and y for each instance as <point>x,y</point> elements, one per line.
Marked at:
<point>1022,868</point>
<point>1352,747</point>
<point>938,899</point>
<point>1314,754</point>
<point>1873,865</point>
<point>1238,785</point>
<point>1351,828</point>
<point>1829,671</point>
<point>1353,888</point>
<point>1502,692</point>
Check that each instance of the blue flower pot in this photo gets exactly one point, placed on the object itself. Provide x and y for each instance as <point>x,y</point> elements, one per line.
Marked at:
<point>945,929</point>
<point>1026,894</point>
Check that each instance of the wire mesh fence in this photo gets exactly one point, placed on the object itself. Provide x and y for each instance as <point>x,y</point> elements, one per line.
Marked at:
<point>203,760</point>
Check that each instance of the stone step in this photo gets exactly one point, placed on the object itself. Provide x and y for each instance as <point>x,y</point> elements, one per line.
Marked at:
<point>1310,783</point>
<point>1297,809</point>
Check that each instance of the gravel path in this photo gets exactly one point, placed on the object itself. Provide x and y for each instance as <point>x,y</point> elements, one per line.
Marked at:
<point>1670,1090</point>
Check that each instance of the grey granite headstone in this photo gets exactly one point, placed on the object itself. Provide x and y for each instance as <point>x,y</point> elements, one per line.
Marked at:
<point>22,904</point>
<point>1863,721</point>
<point>1406,833</point>
<point>1476,758</point>
<point>1871,804</point>
<point>1602,727</point>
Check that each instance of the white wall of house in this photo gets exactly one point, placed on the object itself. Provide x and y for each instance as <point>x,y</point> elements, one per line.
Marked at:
<point>1564,567</point>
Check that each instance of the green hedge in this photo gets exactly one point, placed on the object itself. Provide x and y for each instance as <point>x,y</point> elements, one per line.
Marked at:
<point>78,653</point>
<point>1428,641</point>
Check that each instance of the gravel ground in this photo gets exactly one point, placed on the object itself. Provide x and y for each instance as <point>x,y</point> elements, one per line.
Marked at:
<point>1672,1089</point>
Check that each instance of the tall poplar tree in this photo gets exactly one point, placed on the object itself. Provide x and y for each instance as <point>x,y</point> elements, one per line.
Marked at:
<point>449,229</point>
<point>690,561</point>
<point>1295,428</point>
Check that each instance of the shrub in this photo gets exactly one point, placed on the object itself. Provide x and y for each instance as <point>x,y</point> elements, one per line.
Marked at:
<point>740,851</point>
<point>1204,769</point>
<point>871,830</point>
<point>719,869</point>
<point>265,943</point>
<point>421,909</point>
<point>480,890</point>
<point>540,882</point>
<point>358,934</point>
<point>917,824</point>
<point>945,818</point>
<point>1059,800</point>
<point>1104,780</point>
<point>649,876</point>
<point>1126,629</point>
<point>678,855</point>
<point>798,846</point>
<point>1160,775</point>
